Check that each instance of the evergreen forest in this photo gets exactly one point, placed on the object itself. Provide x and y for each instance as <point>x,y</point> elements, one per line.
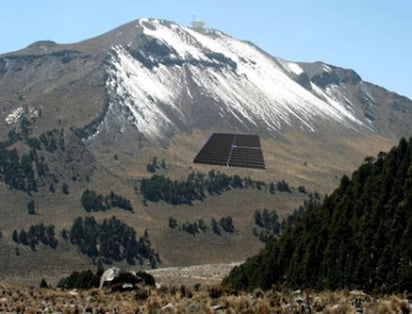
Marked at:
<point>359,237</point>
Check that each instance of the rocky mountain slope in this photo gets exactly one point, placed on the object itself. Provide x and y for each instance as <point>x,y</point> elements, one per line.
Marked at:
<point>92,115</point>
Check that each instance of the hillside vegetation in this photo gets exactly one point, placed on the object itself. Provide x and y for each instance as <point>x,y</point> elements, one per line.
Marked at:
<point>360,237</point>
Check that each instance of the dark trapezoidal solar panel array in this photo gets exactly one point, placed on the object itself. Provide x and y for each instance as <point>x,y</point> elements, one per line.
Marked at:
<point>232,150</point>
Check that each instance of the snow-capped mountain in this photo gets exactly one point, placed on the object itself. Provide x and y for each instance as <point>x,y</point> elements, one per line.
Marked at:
<point>180,77</point>
<point>239,82</point>
<point>163,78</point>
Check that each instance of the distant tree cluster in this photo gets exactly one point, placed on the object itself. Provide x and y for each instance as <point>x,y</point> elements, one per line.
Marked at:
<point>53,140</point>
<point>110,241</point>
<point>80,280</point>
<point>225,224</point>
<point>283,186</point>
<point>359,237</point>
<point>92,201</point>
<point>37,234</point>
<point>154,165</point>
<point>267,220</point>
<point>198,185</point>
<point>269,224</point>
<point>50,141</point>
<point>302,189</point>
<point>22,172</point>
<point>19,172</point>
<point>159,187</point>
<point>189,227</point>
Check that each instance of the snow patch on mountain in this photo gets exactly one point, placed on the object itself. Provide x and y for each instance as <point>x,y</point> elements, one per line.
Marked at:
<point>292,67</point>
<point>247,84</point>
<point>173,36</point>
<point>140,90</point>
<point>327,68</point>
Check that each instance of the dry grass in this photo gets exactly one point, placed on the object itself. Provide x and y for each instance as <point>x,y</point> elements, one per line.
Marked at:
<point>316,161</point>
<point>214,299</point>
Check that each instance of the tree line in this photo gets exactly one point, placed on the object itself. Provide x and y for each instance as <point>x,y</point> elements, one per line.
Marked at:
<point>196,227</point>
<point>37,234</point>
<point>92,201</point>
<point>198,185</point>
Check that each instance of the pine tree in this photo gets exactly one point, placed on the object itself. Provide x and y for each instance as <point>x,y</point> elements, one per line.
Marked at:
<point>258,218</point>
<point>15,236</point>
<point>65,189</point>
<point>172,223</point>
<point>215,227</point>
<point>31,208</point>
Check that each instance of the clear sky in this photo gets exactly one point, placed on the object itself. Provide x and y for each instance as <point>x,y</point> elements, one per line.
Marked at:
<point>373,37</point>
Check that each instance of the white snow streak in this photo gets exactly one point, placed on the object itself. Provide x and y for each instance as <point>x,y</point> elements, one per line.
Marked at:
<point>141,89</point>
<point>292,67</point>
<point>173,38</point>
<point>327,68</point>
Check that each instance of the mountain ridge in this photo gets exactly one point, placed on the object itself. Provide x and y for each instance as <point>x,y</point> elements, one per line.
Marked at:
<point>327,86</point>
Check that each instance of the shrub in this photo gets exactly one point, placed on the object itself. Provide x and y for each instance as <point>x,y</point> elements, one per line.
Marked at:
<point>44,284</point>
<point>65,189</point>
<point>172,223</point>
<point>215,292</point>
<point>142,294</point>
<point>147,278</point>
<point>80,280</point>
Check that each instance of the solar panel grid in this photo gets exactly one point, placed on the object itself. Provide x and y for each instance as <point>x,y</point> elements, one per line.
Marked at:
<point>234,150</point>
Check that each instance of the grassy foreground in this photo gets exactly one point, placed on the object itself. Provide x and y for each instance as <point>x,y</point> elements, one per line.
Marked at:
<point>196,299</point>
